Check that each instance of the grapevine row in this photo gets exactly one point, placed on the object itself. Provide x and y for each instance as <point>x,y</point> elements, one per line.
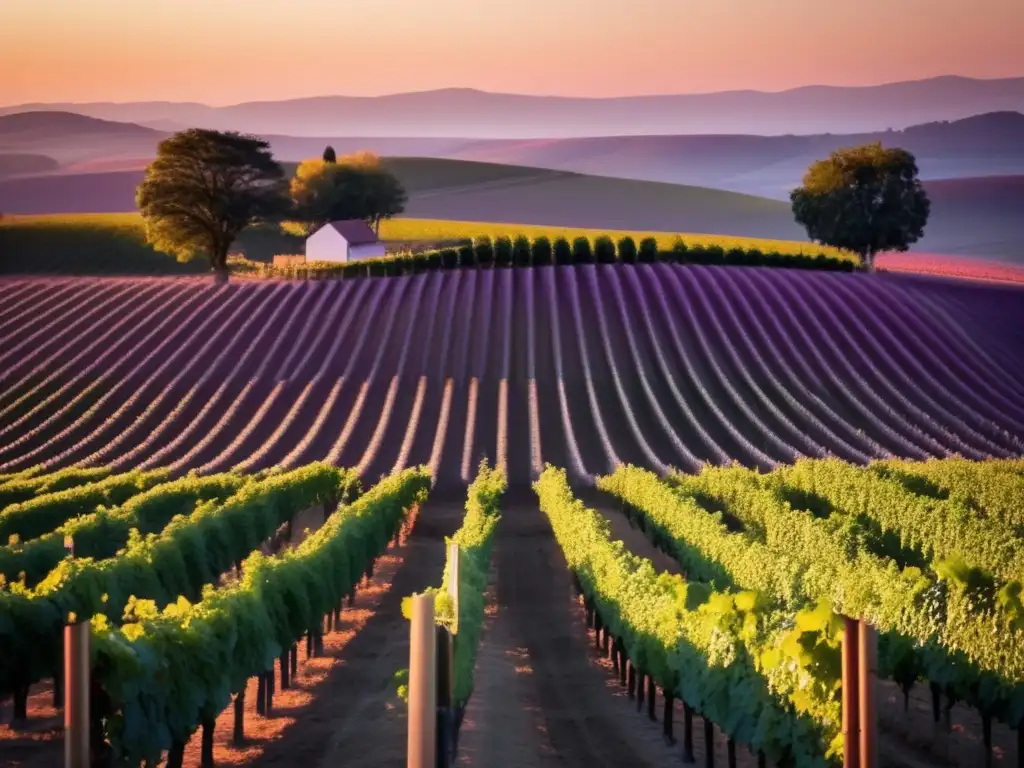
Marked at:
<point>721,652</point>
<point>210,648</point>
<point>190,552</point>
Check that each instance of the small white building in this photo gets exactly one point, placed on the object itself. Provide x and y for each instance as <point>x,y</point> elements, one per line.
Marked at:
<point>350,240</point>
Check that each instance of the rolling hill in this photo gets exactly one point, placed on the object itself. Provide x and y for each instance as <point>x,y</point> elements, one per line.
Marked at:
<point>69,137</point>
<point>479,114</point>
<point>988,144</point>
<point>452,189</point>
<point>22,164</point>
<point>973,217</point>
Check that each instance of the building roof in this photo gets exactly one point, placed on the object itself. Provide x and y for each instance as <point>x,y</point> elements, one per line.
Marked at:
<point>356,231</point>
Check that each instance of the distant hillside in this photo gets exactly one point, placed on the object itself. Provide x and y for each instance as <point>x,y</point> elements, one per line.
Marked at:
<point>982,145</point>
<point>451,189</point>
<point>70,138</point>
<point>473,113</point>
<point>46,125</point>
<point>23,164</point>
<point>978,216</point>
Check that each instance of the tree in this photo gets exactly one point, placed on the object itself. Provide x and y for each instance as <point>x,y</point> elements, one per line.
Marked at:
<point>863,199</point>
<point>521,252</point>
<point>204,188</point>
<point>541,253</point>
<point>483,248</point>
<point>648,253</point>
<point>604,250</point>
<point>562,251</point>
<point>581,253</point>
<point>627,250</point>
<point>354,187</point>
<point>329,154</point>
<point>503,251</point>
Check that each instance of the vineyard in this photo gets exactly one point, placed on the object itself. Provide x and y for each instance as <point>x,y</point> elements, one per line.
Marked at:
<point>646,499</point>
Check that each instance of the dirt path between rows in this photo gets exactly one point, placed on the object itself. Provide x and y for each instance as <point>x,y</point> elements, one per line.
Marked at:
<point>345,710</point>
<point>543,697</point>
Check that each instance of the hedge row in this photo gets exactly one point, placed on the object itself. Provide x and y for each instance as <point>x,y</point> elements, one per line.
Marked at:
<point>541,251</point>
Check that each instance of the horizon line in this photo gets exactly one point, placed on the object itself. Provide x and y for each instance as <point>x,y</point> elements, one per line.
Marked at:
<point>469,89</point>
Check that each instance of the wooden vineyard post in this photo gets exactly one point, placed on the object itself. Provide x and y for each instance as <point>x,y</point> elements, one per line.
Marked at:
<point>709,742</point>
<point>688,756</point>
<point>269,707</point>
<point>651,699</point>
<point>454,570</point>
<point>422,743</point>
<point>444,697</point>
<point>76,687</point>
<point>446,718</point>
<point>238,731</point>
<point>670,738</point>
<point>851,709</point>
<point>621,668</point>
<point>867,657</point>
<point>76,695</point>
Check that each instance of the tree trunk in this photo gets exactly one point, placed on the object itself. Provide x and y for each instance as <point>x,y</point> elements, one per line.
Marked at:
<point>688,756</point>
<point>867,259</point>
<point>219,262</point>
<point>261,694</point>
<point>238,733</point>
<point>651,699</point>
<point>667,717</point>
<point>709,743</point>
<point>269,706</point>
<point>206,752</point>
<point>176,755</point>
<point>20,706</point>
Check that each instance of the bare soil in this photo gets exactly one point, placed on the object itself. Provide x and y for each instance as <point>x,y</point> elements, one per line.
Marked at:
<point>543,695</point>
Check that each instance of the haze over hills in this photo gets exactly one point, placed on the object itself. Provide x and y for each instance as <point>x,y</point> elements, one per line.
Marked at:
<point>981,145</point>
<point>480,114</point>
<point>61,162</point>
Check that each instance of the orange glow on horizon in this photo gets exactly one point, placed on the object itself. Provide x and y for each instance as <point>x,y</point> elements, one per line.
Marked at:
<point>228,51</point>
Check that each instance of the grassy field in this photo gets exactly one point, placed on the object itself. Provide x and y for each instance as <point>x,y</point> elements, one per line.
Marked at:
<point>108,244</point>
<point>114,243</point>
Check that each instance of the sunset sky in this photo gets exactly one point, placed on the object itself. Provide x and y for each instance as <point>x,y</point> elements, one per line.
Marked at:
<point>227,51</point>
